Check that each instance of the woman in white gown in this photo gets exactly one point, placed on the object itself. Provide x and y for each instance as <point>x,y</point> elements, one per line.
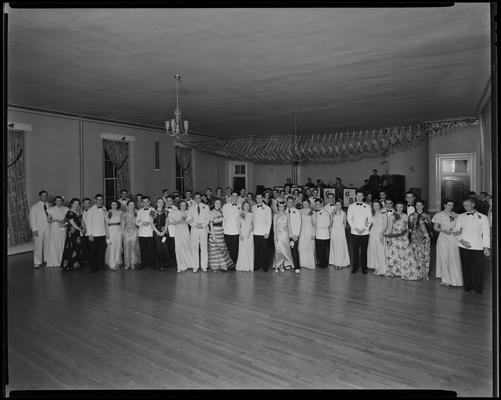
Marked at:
<point>283,253</point>
<point>182,236</point>
<point>448,266</point>
<point>245,260</point>
<point>376,252</point>
<point>339,255</point>
<point>57,232</point>
<point>306,243</point>
<point>113,257</point>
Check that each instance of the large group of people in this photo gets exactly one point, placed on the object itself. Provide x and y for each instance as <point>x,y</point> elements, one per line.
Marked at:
<point>286,229</point>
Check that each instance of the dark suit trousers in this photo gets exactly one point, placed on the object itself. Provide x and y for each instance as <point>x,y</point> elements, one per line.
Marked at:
<point>85,250</point>
<point>473,265</point>
<point>322,247</point>
<point>97,249</point>
<point>295,254</point>
<point>261,259</point>
<point>359,243</point>
<point>232,245</point>
<point>171,244</point>
<point>147,246</point>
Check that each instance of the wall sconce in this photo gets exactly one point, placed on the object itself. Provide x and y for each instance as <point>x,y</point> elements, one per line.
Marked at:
<point>412,168</point>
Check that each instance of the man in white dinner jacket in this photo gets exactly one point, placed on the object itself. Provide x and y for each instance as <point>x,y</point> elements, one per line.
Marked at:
<point>360,218</point>
<point>262,227</point>
<point>473,234</point>
<point>198,218</point>
<point>40,229</point>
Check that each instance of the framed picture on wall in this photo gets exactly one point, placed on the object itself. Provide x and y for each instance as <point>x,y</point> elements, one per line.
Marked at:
<point>327,191</point>
<point>279,188</point>
<point>348,196</point>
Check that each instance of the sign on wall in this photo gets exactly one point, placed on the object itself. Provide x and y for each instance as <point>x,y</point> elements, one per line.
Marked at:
<point>348,196</point>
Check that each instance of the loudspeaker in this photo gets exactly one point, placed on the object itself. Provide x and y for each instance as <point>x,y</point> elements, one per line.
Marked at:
<point>394,186</point>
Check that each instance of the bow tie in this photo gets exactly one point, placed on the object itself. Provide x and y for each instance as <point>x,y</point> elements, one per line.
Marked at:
<point>169,207</point>
<point>259,206</point>
<point>233,204</point>
<point>389,211</point>
<point>410,205</point>
<point>470,213</point>
<point>359,204</point>
<point>100,207</point>
<point>145,209</point>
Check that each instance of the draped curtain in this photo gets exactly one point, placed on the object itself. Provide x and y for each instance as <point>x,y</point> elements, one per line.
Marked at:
<point>119,156</point>
<point>18,227</point>
<point>183,158</point>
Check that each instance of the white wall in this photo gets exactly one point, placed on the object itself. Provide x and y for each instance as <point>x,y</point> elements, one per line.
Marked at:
<point>462,140</point>
<point>52,156</point>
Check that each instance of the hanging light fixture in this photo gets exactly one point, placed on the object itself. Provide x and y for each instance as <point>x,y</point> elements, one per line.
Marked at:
<point>177,127</point>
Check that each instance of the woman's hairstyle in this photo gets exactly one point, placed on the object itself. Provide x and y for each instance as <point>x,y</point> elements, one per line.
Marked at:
<point>250,208</point>
<point>422,202</point>
<point>113,201</point>
<point>163,202</point>
<point>183,202</point>
<point>58,197</point>
<point>73,200</point>
<point>139,195</point>
<point>338,201</point>
<point>376,202</point>
<point>445,201</point>
<point>131,201</point>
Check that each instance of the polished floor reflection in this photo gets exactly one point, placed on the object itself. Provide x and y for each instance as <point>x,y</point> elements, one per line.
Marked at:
<point>319,329</point>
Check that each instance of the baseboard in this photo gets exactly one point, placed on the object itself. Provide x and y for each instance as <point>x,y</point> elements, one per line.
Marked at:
<point>21,248</point>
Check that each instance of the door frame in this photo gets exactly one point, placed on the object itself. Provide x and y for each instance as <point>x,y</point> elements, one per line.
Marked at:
<point>231,168</point>
<point>471,157</point>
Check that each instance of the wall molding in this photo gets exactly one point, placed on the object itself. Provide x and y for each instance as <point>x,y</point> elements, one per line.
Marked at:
<point>20,126</point>
<point>117,138</point>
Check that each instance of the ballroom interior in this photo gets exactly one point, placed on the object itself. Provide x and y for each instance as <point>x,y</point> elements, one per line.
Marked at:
<point>266,94</point>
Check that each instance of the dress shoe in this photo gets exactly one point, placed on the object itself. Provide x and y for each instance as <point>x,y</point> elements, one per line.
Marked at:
<point>223,271</point>
<point>231,269</point>
<point>364,272</point>
<point>353,271</point>
<point>37,266</point>
<point>297,271</point>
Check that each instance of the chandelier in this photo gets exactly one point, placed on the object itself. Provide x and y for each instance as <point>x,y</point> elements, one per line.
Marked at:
<point>174,126</point>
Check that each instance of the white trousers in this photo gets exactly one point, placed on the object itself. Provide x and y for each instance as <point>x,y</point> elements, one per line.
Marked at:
<point>41,247</point>
<point>199,240</point>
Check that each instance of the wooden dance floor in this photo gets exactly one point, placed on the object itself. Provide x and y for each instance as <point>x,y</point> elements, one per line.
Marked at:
<point>320,329</point>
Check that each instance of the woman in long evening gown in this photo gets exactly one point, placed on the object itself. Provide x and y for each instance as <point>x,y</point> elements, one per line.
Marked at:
<point>376,252</point>
<point>72,258</point>
<point>399,254</point>
<point>113,258</point>
<point>448,265</point>
<point>339,255</point>
<point>131,250</point>
<point>159,222</point>
<point>283,253</point>
<point>306,242</point>
<point>182,240</point>
<point>219,257</point>
<point>419,222</point>
<point>57,232</point>
<point>245,260</point>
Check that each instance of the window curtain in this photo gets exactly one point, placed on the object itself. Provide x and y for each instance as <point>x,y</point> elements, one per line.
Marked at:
<point>183,158</point>
<point>119,156</point>
<point>18,227</point>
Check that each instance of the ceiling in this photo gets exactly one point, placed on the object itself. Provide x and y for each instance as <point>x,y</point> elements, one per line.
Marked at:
<point>250,71</point>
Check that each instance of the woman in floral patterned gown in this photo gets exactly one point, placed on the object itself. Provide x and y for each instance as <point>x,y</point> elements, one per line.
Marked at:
<point>400,259</point>
<point>72,253</point>
<point>420,242</point>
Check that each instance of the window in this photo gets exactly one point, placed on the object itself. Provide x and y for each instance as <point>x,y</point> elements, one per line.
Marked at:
<point>238,176</point>
<point>179,178</point>
<point>110,180</point>
<point>157,156</point>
